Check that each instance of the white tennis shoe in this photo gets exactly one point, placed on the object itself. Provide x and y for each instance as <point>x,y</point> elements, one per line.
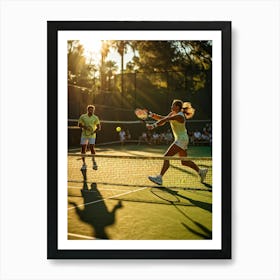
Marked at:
<point>156,179</point>
<point>202,173</point>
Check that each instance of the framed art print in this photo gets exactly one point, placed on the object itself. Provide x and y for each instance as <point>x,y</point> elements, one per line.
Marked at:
<point>139,140</point>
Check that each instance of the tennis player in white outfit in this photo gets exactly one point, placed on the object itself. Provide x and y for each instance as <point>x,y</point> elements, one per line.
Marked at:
<point>177,119</point>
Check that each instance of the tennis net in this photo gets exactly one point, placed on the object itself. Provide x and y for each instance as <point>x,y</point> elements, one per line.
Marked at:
<point>133,171</point>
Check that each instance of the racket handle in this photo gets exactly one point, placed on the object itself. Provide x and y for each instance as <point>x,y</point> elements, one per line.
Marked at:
<point>152,126</point>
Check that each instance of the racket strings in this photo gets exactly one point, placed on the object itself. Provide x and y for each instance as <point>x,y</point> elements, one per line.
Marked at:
<point>141,114</point>
<point>88,130</point>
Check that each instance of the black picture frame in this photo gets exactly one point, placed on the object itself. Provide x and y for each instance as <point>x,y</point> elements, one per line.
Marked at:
<point>53,252</point>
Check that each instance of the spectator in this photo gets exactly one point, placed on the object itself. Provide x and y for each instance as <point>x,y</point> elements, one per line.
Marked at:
<point>197,136</point>
<point>162,138</point>
<point>191,136</point>
<point>155,138</point>
<point>122,136</point>
<point>143,138</point>
<point>205,136</point>
<point>207,133</point>
<point>168,137</point>
<point>127,135</point>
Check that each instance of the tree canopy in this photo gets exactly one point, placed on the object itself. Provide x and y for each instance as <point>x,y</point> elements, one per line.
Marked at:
<point>155,73</point>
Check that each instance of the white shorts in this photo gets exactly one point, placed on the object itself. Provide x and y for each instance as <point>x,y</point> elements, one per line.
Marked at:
<point>87,140</point>
<point>183,144</point>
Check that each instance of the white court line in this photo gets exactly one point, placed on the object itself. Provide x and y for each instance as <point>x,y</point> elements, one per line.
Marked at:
<point>99,189</point>
<point>93,202</point>
<point>81,236</point>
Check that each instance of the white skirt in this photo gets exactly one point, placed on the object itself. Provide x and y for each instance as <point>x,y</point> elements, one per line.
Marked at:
<point>183,144</point>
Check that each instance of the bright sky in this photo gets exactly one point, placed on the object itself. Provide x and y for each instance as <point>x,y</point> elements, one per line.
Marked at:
<point>92,50</point>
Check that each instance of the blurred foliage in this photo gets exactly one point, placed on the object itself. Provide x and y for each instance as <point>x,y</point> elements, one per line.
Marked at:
<point>158,72</point>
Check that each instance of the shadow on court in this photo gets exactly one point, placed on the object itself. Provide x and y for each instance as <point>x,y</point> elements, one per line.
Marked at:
<point>203,205</point>
<point>205,232</point>
<point>95,211</point>
<point>207,185</point>
<point>206,235</point>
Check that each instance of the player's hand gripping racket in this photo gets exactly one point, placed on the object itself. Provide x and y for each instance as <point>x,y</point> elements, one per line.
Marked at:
<point>89,131</point>
<point>142,114</point>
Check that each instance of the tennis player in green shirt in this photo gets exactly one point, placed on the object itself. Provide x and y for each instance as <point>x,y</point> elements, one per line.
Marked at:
<point>90,124</point>
<point>177,119</point>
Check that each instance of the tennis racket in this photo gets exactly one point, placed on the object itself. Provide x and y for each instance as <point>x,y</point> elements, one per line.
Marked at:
<point>141,114</point>
<point>89,131</point>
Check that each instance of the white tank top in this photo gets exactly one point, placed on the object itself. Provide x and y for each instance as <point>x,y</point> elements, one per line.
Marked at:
<point>179,129</point>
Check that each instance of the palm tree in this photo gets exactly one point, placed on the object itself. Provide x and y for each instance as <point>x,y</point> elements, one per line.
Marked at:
<point>111,68</point>
<point>121,47</point>
<point>104,53</point>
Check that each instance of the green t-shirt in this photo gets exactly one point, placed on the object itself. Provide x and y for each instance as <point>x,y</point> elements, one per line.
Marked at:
<point>91,121</point>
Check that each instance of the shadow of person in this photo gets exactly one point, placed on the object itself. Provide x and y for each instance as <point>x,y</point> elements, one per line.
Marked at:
<point>199,229</point>
<point>205,234</point>
<point>204,205</point>
<point>207,185</point>
<point>95,211</point>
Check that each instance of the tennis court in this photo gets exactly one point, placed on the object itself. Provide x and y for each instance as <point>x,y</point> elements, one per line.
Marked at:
<point>118,202</point>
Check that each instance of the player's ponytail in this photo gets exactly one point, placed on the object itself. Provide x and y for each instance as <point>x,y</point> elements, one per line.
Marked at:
<point>188,110</point>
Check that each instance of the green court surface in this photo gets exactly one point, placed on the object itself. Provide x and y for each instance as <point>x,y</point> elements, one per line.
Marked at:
<point>118,202</point>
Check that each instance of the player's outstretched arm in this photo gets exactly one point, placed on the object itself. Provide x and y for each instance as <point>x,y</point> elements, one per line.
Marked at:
<point>156,117</point>
<point>164,120</point>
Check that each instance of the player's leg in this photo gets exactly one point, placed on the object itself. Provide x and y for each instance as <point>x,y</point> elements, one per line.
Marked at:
<point>171,151</point>
<point>83,151</point>
<point>189,163</point>
<point>84,142</point>
<point>92,151</point>
<point>201,171</point>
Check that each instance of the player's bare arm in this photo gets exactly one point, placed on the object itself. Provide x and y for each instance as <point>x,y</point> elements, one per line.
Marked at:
<point>164,120</point>
<point>98,127</point>
<point>156,117</point>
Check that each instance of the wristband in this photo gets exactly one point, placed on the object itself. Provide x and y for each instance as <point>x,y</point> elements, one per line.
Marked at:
<point>154,125</point>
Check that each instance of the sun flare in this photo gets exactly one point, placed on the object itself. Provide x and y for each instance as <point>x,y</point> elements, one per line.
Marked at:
<point>92,49</point>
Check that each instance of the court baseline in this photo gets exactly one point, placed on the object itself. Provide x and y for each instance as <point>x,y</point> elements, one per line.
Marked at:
<point>118,195</point>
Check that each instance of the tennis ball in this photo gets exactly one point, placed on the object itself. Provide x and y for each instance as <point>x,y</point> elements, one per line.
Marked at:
<point>118,129</point>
